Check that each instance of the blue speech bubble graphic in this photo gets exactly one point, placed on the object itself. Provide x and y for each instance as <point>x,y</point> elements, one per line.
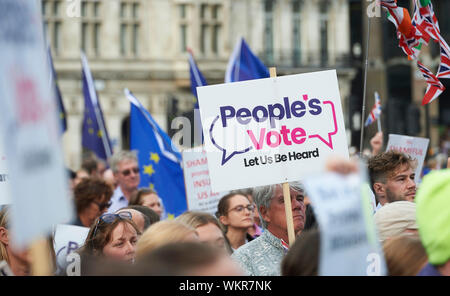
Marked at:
<point>225,158</point>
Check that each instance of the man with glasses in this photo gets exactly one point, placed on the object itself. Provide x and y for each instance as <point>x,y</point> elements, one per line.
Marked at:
<point>92,199</point>
<point>124,165</point>
<point>263,255</point>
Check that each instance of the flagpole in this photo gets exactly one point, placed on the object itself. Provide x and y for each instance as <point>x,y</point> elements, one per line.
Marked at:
<point>93,93</point>
<point>361,145</point>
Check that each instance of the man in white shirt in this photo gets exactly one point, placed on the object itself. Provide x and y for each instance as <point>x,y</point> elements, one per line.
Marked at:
<point>124,165</point>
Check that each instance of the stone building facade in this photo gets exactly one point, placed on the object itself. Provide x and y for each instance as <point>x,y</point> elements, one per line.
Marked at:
<point>142,45</point>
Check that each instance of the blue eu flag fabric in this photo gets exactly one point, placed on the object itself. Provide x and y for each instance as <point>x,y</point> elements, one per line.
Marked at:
<point>94,134</point>
<point>196,76</point>
<point>197,79</point>
<point>158,159</point>
<point>244,65</point>
<point>54,87</point>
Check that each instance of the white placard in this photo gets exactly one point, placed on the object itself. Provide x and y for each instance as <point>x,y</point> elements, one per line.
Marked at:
<point>348,240</point>
<point>5,197</point>
<point>413,146</point>
<point>4,269</point>
<point>271,130</point>
<point>67,239</point>
<point>199,195</point>
<point>28,125</point>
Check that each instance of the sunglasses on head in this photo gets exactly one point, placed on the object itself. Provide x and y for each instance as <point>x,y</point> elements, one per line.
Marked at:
<point>110,218</point>
<point>128,171</point>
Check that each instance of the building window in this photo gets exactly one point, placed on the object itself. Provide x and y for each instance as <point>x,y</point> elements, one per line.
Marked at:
<point>183,25</point>
<point>129,28</point>
<point>91,25</point>
<point>268,30</point>
<point>52,23</point>
<point>323,7</point>
<point>210,28</point>
<point>296,33</point>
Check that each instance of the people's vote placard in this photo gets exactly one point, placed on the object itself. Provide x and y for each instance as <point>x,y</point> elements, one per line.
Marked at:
<point>67,239</point>
<point>271,130</point>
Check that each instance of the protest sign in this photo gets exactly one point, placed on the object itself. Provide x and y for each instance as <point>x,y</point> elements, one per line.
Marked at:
<point>29,126</point>
<point>271,130</point>
<point>67,239</point>
<point>348,240</point>
<point>4,269</point>
<point>5,197</point>
<point>199,195</point>
<point>413,146</point>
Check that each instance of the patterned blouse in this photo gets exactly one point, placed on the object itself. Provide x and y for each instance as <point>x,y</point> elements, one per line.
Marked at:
<point>262,256</point>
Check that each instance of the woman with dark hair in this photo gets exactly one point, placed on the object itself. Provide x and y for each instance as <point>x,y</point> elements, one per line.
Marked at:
<point>92,198</point>
<point>112,237</point>
<point>235,213</point>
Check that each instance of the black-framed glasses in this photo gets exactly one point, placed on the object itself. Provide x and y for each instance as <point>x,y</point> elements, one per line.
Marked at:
<point>110,218</point>
<point>239,209</point>
<point>127,172</point>
<point>104,205</point>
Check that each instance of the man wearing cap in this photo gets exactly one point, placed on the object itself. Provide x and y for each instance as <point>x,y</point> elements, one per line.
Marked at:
<point>392,177</point>
<point>433,218</point>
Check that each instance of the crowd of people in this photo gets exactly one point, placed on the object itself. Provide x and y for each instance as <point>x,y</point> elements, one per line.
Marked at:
<point>248,235</point>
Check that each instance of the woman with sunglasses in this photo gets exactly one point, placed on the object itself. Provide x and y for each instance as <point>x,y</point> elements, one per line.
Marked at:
<point>112,237</point>
<point>235,212</point>
<point>92,198</point>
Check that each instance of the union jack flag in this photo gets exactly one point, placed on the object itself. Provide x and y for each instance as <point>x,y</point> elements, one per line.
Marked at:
<point>444,67</point>
<point>375,112</point>
<point>434,88</point>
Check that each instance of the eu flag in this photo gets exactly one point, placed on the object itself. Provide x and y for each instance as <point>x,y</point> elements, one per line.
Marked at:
<point>55,88</point>
<point>244,65</point>
<point>197,79</point>
<point>158,159</point>
<point>94,136</point>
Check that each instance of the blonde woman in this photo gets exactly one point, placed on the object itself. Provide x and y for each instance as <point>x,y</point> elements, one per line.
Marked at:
<point>208,228</point>
<point>19,262</point>
<point>162,233</point>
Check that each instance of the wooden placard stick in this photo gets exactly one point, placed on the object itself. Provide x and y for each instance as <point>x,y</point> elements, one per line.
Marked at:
<point>286,193</point>
<point>40,255</point>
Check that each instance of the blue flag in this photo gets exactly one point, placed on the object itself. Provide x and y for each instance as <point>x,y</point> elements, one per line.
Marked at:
<point>244,65</point>
<point>95,136</point>
<point>197,79</point>
<point>54,87</point>
<point>158,159</point>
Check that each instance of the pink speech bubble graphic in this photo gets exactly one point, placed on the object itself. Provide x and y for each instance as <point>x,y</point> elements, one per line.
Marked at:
<point>329,143</point>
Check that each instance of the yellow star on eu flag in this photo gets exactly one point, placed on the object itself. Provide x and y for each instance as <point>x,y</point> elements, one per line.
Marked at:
<point>154,157</point>
<point>170,216</point>
<point>99,133</point>
<point>151,186</point>
<point>91,131</point>
<point>148,169</point>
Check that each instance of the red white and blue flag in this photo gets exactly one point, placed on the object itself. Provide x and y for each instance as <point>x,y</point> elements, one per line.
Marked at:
<point>375,112</point>
<point>434,88</point>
